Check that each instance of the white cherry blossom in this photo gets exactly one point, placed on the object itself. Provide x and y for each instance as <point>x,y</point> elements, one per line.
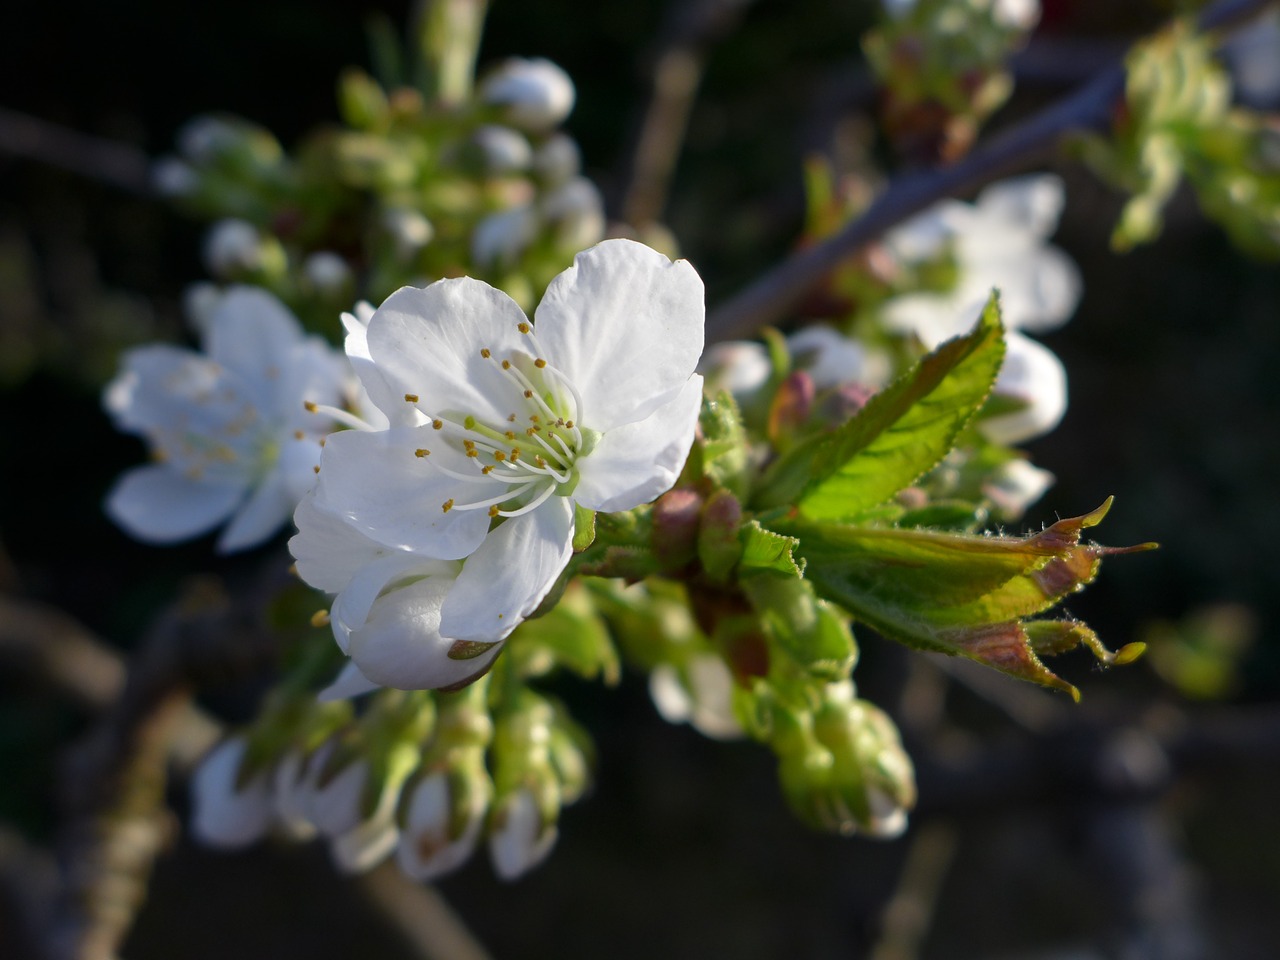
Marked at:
<point>536,95</point>
<point>442,532</point>
<point>428,849</point>
<point>229,428</point>
<point>228,813</point>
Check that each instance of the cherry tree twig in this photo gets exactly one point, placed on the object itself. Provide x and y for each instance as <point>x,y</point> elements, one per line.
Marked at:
<point>772,296</point>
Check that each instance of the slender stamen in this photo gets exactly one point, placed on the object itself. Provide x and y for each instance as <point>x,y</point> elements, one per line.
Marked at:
<point>342,416</point>
<point>577,400</point>
<point>505,495</point>
<point>532,505</point>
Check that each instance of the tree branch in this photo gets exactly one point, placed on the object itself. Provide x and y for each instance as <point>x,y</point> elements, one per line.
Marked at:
<point>770,298</point>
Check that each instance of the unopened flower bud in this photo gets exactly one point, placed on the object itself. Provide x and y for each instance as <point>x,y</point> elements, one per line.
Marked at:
<point>442,818</point>
<point>233,247</point>
<point>719,548</point>
<point>519,837</point>
<point>327,272</point>
<point>231,809</point>
<point>701,695</point>
<point>1034,375</point>
<point>409,230</point>
<point>576,211</point>
<point>676,516</point>
<point>504,150</point>
<point>557,160</point>
<point>500,238</point>
<point>1016,485</point>
<point>535,95</point>
<point>172,177</point>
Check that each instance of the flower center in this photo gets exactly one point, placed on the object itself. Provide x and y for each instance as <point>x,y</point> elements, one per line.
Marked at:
<point>523,460</point>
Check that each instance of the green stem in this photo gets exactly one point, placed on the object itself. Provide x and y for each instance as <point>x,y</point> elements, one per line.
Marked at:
<point>448,38</point>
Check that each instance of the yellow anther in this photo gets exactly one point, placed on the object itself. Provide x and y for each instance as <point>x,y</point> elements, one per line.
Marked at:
<point>515,454</point>
<point>506,364</point>
<point>531,431</point>
<point>528,394</point>
<point>468,444</point>
<point>299,435</point>
<point>473,452</point>
<point>447,505</point>
<point>510,434</point>
<point>511,418</point>
<point>484,352</point>
<point>316,468</point>
<point>494,511</point>
<point>539,460</point>
<point>422,452</point>
<point>486,470</point>
<point>499,455</point>
<point>322,441</point>
<point>534,418</point>
<point>437,424</point>
<point>569,424</point>
<point>320,618</point>
<point>522,327</point>
<point>309,406</point>
<point>539,363</point>
<point>410,398</point>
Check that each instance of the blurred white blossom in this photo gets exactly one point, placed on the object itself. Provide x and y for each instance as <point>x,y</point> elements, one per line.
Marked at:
<point>536,95</point>
<point>229,429</point>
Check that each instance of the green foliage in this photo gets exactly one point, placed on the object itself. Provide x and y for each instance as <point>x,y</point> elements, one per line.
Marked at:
<point>1178,121</point>
<point>901,434</point>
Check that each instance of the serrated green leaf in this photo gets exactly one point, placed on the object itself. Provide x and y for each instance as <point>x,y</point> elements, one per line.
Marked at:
<point>901,434</point>
<point>764,551</point>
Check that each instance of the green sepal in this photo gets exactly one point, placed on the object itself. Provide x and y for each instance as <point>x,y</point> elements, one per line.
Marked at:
<point>724,444</point>
<point>764,551</point>
<point>584,528</point>
<point>954,593</point>
<point>903,432</point>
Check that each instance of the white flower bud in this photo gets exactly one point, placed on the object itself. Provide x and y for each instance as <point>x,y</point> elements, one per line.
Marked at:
<point>1016,485</point>
<point>577,211</point>
<point>232,246</point>
<point>227,814</point>
<point>409,229</point>
<point>537,94</point>
<point>505,150</point>
<point>199,301</point>
<point>371,840</point>
<point>519,840</point>
<point>327,271</point>
<point>558,159</point>
<point>706,704</point>
<point>334,807</point>
<point>426,849</point>
<point>501,237</point>
<point>172,177</point>
<point>1016,14</point>
<point>202,138</point>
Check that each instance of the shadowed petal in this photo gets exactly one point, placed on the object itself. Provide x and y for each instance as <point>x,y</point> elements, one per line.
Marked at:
<point>156,505</point>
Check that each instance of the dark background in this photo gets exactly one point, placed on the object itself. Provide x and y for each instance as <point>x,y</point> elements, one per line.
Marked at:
<point>685,849</point>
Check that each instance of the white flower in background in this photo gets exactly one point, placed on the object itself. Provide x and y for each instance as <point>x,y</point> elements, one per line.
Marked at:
<point>172,177</point>
<point>519,840</point>
<point>536,94</point>
<point>557,159</point>
<point>228,428</point>
<point>409,229</point>
<point>427,847</point>
<point>499,429</point>
<point>828,356</point>
<point>1014,14</point>
<point>500,238</point>
<point>701,697</point>
<point>327,272</point>
<point>575,211</point>
<point>504,150</point>
<point>1032,374</point>
<point>232,246</point>
<point>1000,241</point>
<point>228,813</point>
<point>1016,485</point>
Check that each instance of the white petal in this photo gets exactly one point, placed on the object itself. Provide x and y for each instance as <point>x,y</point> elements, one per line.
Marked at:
<point>335,807</point>
<point>349,683</point>
<point>507,577</point>
<point>224,815</point>
<point>426,850</point>
<point>739,366</point>
<point>329,551</point>
<point>400,644</point>
<point>307,371</point>
<point>670,698</point>
<point>829,357</point>
<point>1034,202</point>
<point>396,497</point>
<point>635,463</point>
<point>290,794</point>
<point>1034,374</point>
<point>931,317</point>
<point>353,607</point>
<point>251,332</point>
<point>520,842</point>
<point>625,324</point>
<point>371,841</point>
<point>427,343</point>
<point>156,505</point>
<point>260,517</point>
